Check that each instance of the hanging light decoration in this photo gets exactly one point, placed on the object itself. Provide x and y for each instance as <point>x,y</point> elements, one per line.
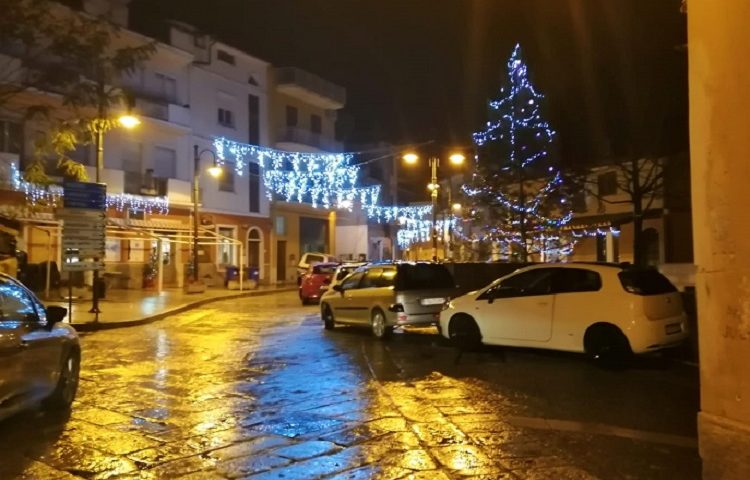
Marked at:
<point>51,195</point>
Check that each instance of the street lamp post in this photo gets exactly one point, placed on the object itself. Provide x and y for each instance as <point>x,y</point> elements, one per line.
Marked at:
<point>129,122</point>
<point>434,162</point>
<point>214,171</point>
<point>456,159</point>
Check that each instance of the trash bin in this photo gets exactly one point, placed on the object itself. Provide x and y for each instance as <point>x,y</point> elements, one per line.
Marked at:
<point>232,273</point>
<point>253,276</point>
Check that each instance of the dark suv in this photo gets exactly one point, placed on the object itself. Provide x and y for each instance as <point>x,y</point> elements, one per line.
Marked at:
<point>384,296</point>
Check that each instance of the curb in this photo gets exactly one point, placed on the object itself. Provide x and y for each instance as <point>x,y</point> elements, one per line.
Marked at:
<point>95,327</point>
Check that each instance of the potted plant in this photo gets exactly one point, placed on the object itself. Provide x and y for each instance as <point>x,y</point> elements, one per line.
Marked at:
<point>150,272</point>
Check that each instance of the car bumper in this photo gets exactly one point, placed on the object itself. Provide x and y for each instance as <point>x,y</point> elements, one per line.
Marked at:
<point>422,319</point>
<point>653,335</point>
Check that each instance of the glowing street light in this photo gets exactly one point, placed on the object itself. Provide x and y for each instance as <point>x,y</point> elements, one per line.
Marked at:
<point>457,159</point>
<point>215,171</point>
<point>411,158</point>
<point>129,121</point>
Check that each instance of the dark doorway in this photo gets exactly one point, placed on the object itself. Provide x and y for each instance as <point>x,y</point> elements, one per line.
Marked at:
<point>281,261</point>
<point>253,248</point>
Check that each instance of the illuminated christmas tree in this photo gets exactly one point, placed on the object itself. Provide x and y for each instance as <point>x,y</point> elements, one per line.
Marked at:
<point>518,195</point>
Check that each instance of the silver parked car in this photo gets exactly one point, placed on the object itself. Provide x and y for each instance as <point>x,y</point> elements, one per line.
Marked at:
<point>384,296</point>
<point>39,355</point>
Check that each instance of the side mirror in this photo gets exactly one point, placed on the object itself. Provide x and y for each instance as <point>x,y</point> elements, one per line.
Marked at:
<point>338,288</point>
<point>491,295</point>
<point>55,314</point>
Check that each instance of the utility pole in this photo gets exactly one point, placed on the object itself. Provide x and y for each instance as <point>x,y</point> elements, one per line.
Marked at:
<point>196,192</point>
<point>433,182</point>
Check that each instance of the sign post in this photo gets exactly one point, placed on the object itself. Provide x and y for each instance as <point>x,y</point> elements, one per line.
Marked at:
<point>84,216</point>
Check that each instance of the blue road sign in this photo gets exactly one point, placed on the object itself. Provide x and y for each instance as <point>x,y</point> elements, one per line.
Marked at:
<point>85,195</point>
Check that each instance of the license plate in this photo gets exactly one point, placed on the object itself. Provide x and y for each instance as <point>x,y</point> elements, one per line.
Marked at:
<point>432,301</point>
<point>673,328</point>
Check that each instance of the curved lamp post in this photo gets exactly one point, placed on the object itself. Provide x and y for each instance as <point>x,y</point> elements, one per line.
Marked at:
<point>215,171</point>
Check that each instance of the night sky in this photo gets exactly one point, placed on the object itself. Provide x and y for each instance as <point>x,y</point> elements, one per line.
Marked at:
<point>613,71</point>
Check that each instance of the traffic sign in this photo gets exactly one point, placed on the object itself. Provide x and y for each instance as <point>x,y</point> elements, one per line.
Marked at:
<point>85,195</point>
<point>82,223</point>
<point>96,245</point>
<point>80,214</point>
<point>86,253</point>
<point>78,236</point>
<point>82,266</point>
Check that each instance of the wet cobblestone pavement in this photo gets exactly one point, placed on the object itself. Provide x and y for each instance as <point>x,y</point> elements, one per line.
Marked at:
<point>255,388</point>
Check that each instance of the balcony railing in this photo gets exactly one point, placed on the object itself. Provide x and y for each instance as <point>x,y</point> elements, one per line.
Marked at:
<point>144,184</point>
<point>306,137</point>
<point>310,87</point>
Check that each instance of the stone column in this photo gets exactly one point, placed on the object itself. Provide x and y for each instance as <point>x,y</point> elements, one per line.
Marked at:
<point>719,48</point>
<point>332,232</point>
<point>610,246</point>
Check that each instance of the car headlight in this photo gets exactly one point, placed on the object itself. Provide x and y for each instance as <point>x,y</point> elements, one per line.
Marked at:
<point>448,305</point>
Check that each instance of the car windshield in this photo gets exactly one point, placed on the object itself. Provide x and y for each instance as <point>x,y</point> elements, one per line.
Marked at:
<point>324,269</point>
<point>424,276</point>
<point>645,282</point>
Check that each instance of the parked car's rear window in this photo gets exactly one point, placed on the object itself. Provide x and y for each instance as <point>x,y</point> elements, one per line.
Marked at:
<point>314,259</point>
<point>324,269</point>
<point>423,276</point>
<point>645,282</point>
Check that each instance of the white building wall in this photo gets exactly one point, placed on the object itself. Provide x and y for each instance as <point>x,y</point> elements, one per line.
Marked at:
<point>351,241</point>
<point>215,84</point>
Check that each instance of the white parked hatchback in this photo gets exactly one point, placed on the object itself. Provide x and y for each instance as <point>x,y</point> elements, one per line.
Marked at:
<point>604,310</point>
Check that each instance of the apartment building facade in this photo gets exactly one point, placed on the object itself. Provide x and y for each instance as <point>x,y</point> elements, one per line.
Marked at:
<point>302,119</point>
<point>192,90</point>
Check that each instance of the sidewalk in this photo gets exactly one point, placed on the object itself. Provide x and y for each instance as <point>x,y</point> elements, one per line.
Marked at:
<point>127,308</point>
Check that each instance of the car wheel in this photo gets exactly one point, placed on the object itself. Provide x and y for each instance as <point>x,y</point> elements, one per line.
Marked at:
<point>464,332</point>
<point>607,345</point>
<point>67,385</point>
<point>328,321</point>
<point>380,329</point>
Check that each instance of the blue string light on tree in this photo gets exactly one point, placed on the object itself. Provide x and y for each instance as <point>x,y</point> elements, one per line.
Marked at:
<point>517,193</point>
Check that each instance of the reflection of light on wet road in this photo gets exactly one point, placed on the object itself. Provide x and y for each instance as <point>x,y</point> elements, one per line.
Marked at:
<point>259,390</point>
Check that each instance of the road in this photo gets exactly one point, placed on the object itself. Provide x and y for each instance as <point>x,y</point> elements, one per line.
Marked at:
<point>255,388</point>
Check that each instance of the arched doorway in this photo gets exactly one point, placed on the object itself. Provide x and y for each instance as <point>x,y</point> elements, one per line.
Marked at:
<point>255,250</point>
